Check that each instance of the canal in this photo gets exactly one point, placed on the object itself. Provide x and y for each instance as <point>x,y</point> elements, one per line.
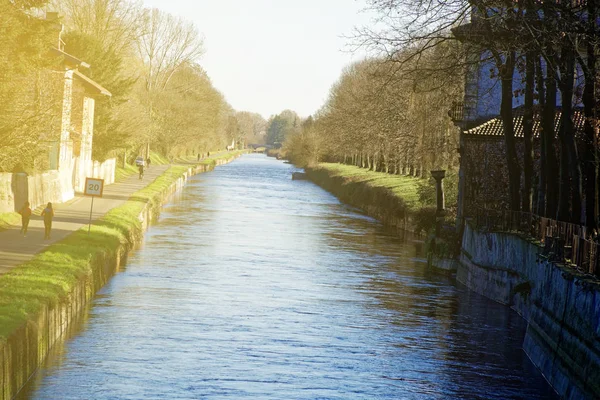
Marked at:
<point>251,285</point>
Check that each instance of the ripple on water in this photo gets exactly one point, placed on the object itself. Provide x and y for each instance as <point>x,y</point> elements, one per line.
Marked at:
<point>252,285</point>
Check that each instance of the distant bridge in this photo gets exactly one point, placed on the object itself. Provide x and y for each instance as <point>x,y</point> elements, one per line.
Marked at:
<point>255,146</point>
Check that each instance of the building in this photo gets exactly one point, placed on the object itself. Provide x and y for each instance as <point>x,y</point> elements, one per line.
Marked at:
<point>69,148</point>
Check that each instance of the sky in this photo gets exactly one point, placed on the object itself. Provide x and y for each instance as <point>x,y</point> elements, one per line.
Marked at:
<point>269,55</point>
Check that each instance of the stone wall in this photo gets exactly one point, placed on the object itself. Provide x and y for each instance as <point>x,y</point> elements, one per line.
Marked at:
<point>561,306</point>
<point>7,195</point>
<point>56,186</point>
<point>93,169</point>
<point>39,189</point>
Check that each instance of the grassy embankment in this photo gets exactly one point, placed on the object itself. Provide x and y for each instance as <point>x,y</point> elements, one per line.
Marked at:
<point>52,274</point>
<point>384,196</point>
<point>8,220</point>
<point>278,153</point>
<point>11,219</point>
<point>121,173</point>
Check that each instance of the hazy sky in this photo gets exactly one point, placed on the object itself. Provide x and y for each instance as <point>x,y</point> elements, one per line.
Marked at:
<point>269,55</point>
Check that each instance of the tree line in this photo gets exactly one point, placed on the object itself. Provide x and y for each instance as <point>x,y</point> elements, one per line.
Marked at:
<point>148,59</point>
<point>387,115</point>
<point>543,51</point>
<point>387,112</point>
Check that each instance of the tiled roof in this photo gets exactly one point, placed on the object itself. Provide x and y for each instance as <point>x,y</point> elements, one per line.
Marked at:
<point>495,127</point>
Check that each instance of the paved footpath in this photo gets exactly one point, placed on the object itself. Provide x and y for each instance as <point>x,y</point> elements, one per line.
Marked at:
<point>68,217</point>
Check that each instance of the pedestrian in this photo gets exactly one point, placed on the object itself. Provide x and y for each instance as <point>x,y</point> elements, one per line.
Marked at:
<point>25,216</point>
<point>208,154</point>
<point>141,170</point>
<point>48,214</point>
<point>198,156</point>
<point>148,161</point>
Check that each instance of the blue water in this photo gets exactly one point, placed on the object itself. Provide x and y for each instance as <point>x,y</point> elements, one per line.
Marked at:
<point>252,285</point>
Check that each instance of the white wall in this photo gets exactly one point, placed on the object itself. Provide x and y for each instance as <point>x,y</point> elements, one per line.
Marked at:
<point>56,186</point>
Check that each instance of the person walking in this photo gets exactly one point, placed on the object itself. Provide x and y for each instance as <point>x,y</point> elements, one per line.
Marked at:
<point>48,214</point>
<point>148,161</point>
<point>25,216</point>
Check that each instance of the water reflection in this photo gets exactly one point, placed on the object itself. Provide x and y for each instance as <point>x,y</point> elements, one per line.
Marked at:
<point>252,285</point>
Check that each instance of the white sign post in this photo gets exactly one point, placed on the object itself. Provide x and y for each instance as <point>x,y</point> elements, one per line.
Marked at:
<point>94,188</point>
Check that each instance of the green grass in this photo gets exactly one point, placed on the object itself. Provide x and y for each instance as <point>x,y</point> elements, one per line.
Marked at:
<point>52,274</point>
<point>8,220</point>
<point>158,159</point>
<point>123,173</point>
<point>405,187</point>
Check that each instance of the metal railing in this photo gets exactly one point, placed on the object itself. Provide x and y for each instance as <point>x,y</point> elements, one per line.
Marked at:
<point>562,242</point>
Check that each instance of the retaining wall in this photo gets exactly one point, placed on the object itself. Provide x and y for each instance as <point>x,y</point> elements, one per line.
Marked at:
<point>26,349</point>
<point>561,306</point>
<point>93,169</point>
<point>56,186</point>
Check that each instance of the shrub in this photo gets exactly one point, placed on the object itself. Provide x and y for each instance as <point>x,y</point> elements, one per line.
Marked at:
<point>424,220</point>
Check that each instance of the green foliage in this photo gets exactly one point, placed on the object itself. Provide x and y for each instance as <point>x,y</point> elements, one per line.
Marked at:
<point>24,111</point>
<point>424,220</point>
<point>147,59</point>
<point>304,147</point>
<point>282,125</point>
<point>8,220</point>
<point>428,195</point>
<point>190,114</point>
<point>252,127</point>
<point>115,122</point>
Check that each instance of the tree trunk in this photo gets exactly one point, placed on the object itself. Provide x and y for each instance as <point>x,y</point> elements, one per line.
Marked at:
<point>541,195</point>
<point>570,168</point>
<point>514,172</point>
<point>528,133</point>
<point>589,105</point>
<point>386,164</point>
<point>548,133</point>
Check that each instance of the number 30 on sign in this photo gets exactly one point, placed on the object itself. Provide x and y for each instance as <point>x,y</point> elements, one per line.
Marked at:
<point>94,187</point>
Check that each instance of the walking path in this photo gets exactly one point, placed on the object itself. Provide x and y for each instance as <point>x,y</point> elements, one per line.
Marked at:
<point>69,217</point>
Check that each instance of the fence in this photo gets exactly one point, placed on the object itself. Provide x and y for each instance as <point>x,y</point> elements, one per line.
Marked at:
<point>562,242</point>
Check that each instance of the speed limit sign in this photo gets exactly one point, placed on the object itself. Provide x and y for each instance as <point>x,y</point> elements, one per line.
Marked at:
<point>94,187</point>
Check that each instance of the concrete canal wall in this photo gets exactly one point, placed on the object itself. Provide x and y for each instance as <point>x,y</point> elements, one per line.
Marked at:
<point>561,306</point>
<point>27,347</point>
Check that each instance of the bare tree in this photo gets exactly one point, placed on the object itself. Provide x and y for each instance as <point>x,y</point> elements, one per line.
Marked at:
<point>114,23</point>
<point>165,43</point>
